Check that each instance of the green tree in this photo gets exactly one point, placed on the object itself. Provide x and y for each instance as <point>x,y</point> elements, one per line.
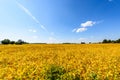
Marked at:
<point>105,41</point>
<point>118,41</point>
<point>12,42</point>
<point>20,42</point>
<point>5,41</point>
<point>109,41</point>
<point>82,42</point>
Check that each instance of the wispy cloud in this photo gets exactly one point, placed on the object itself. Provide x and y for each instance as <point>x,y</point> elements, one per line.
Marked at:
<point>84,26</point>
<point>77,30</point>
<point>30,14</point>
<point>32,30</point>
<point>88,23</point>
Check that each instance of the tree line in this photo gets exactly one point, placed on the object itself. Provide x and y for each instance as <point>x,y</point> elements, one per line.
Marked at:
<point>19,42</point>
<point>111,41</point>
<point>7,41</point>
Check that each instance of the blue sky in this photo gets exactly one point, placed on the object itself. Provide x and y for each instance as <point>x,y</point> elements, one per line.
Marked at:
<point>55,21</point>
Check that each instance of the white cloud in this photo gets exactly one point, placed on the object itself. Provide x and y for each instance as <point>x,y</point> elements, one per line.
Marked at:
<point>84,26</point>
<point>32,30</point>
<point>81,29</point>
<point>74,30</point>
<point>88,23</point>
<point>30,14</point>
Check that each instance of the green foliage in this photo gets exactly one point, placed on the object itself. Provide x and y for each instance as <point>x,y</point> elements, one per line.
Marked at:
<point>118,41</point>
<point>54,72</point>
<point>111,41</point>
<point>12,42</point>
<point>5,41</point>
<point>82,42</point>
<point>105,41</point>
<point>94,76</point>
<point>20,42</point>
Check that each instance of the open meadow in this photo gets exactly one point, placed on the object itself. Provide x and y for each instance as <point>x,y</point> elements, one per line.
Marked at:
<point>60,62</point>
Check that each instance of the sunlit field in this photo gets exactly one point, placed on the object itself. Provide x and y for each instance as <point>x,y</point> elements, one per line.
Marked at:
<point>60,62</point>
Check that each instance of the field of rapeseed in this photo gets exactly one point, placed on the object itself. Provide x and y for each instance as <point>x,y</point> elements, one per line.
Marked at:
<point>60,62</point>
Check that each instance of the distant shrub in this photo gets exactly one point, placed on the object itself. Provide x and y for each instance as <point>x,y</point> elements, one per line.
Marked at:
<point>94,76</point>
<point>19,42</point>
<point>5,41</point>
<point>54,72</point>
<point>12,42</point>
<point>111,41</point>
<point>82,42</point>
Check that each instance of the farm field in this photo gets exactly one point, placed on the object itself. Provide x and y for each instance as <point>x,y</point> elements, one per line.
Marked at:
<point>60,62</point>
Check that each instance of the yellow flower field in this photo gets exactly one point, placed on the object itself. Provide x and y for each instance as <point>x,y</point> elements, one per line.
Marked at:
<point>60,62</point>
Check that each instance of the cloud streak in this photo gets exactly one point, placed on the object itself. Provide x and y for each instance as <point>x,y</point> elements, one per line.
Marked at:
<point>30,14</point>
